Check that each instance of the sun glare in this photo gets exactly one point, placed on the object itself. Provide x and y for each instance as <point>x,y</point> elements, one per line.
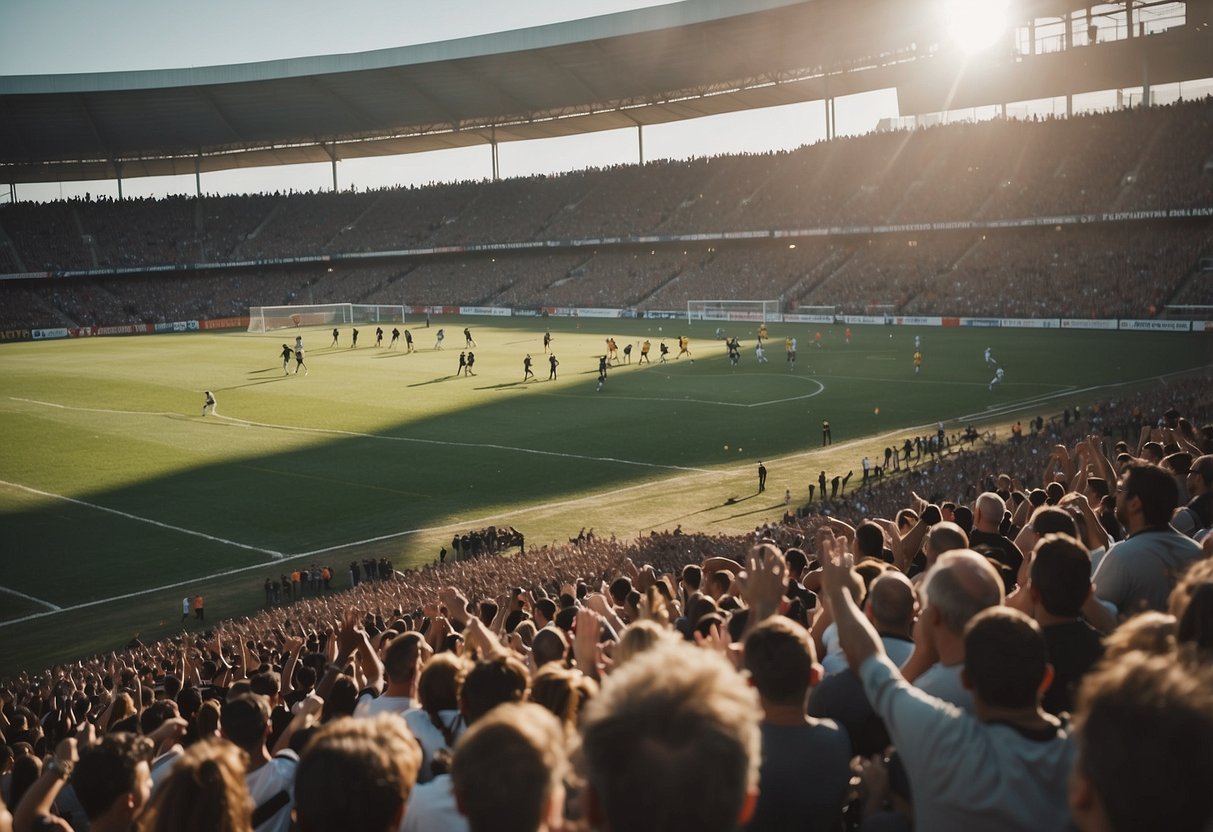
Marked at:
<point>975,25</point>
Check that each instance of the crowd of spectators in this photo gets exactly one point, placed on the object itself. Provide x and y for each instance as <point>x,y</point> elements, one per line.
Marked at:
<point>1123,161</point>
<point>989,634</point>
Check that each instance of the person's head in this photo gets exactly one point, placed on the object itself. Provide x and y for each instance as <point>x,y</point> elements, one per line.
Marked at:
<point>563,691</point>
<point>907,518</point>
<point>943,537</point>
<point>637,638</point>
<point>671,743</point>
<point>441,678</point>
<point>781,661</point>
<point>692,575</point>
<point>266,683</point>
<point>1191,603</point>
<point>402,660</point>
<point>492,682</point>
<point>988,511</point>
<point>869,541</point>
<point>245,721</point>
<point>719,583</point>
<point>549,645</point>
<point>797,561</point>
<point>155,715</point>
<point>545,612</point>
<point>891,604</point>
<point>356,774</point>
<point>1061,575</point>
<point>1054,491</point>
<point>619,589</point>
<point>1148,632</point>
<point>1146,497</point>
<point>1144,726</point>
<point>1006,661</point>
<point>113,780</point>
<point>508,771</point>
<point>204,792</point>
<point>961,584</point>
<point>1200,475</point>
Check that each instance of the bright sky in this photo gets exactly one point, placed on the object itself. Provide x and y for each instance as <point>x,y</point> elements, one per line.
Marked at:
<point>64,36</point>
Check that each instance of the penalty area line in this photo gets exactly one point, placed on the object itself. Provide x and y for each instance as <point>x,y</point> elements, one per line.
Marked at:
<point>125,514</point>
<point>48,604</point>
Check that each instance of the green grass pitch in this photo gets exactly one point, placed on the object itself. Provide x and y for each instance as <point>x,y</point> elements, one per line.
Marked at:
<point>117,497</point>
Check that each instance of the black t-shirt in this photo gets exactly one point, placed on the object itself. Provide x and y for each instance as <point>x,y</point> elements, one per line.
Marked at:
<point>1003,550</point>
<point>1074,648</point>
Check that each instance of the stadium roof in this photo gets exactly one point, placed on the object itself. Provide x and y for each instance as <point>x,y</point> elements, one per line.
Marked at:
<point>642,67</point>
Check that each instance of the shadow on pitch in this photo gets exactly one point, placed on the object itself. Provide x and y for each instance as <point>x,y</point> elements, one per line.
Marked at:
<point>253,383</point>
<point>438,380</point>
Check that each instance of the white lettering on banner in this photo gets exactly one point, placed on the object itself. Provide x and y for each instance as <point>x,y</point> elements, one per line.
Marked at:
<point>42,334</point>
<point>497,311</point>
<point>797,318</point>
<point>1078,323</point>
<point>1030,323</point>
<point>986,322</point>
<point>865,319</point>
<point>1157,326</point>
<point>597,313</point>
<point>919,321</point>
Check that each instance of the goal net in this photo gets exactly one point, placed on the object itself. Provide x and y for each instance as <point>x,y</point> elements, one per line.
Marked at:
<point>269,318</point>
<point>733,310</point>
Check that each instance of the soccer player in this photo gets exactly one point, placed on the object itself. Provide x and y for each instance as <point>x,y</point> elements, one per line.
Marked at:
<point>395,338</point>
<point>287,352</point>
<point>760,353</point>
<point>762,477</point>
<point>602,370</point>
<point>990,362</point>
<point>847,335</point>
<point>209,403</point>
<point>997,378</point>
<point>408,342</point>
<point>762,333</point>
<point>554,364</point>
<point>917,341</point>
<point>917,362</point>
<point>547,341</point>
<point>379,336</point>
<point>471,362</point>
<point>526,368</point>
<point>684,347</point>
<point>299,357</point>
<point>664,351</point>
<point>644,353</point>
<point>817,339</point>
<point>438,341</point>
<point>467,337</point>
<point>627,353</point>
<point>463,363</point>
<point>335,334</point>
<point>354,340</point>
<point>789,344</point>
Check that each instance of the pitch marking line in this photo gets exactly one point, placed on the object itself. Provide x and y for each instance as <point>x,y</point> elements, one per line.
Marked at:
<point>378,437</point>
<point>149,521</point>
<point>48,604</point>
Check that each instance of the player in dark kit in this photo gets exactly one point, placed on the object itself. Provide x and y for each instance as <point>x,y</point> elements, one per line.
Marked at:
<point>602,371</point>
<point>408,341</point>
<point>287,352</point>
<point>395,338</point>
<point>299,358</point>
<point>467,337</point>
<point>762,477</point>
<point>547,341</point>
<point>471,362</point>
<point>379,336</point>
<point>554,364</point>
<point>335,334</point>
<point>354,340</point>
<point>526,368</point>
<point>463,363</point>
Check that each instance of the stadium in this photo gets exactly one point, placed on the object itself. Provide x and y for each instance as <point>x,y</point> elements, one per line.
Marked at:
<point>534,399</point>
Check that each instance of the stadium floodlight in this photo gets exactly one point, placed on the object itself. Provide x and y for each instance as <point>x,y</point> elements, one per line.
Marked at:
<point>269,318</point>
<point>974,25</point>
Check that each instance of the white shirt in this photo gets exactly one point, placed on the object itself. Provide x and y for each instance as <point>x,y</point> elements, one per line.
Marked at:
<point>430,738</point>
<point>432,808</point>
<point>369,706</point>
<point>267,781</point>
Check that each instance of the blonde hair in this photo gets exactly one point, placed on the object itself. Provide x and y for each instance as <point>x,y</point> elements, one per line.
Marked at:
<point>204,792</point>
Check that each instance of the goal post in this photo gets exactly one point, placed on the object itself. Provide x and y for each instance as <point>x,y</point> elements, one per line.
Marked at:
<point>270,318</point>
<point>763,311</point>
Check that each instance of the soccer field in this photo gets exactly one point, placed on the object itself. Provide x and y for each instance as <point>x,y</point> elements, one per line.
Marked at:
<point>117,497</point>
